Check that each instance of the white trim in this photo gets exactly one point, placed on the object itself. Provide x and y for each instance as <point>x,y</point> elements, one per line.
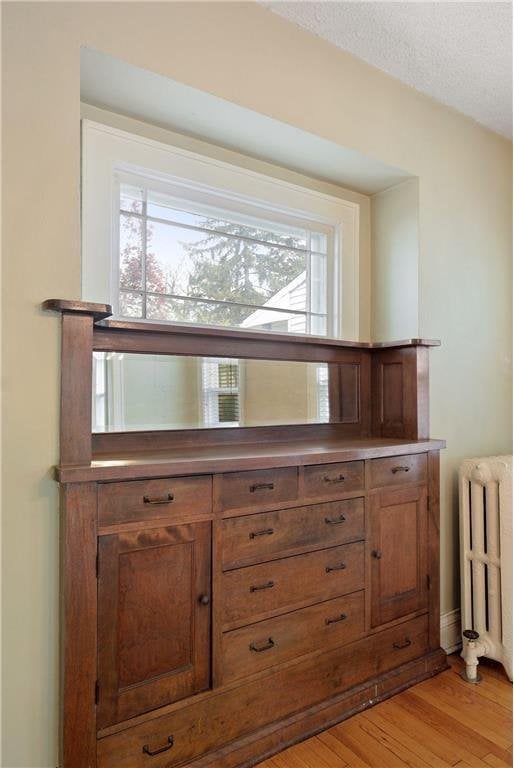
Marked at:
<point>451,638</point>
<point>106,150</point>
<point>210,161</point>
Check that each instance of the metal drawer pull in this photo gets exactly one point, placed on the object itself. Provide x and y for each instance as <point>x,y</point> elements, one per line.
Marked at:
<point>340,519</point>
<point>148,751</point>
<point>266,532</point>
<point>377,554</point>
<point>159,499</point>
<point>405,644</point>
<point>399,469</point>
<point>342,617</point>
<point>262,487</point>
<point>268,585</point>
<point>270,644</point>
<point>339,479</point>
<point>338,567</point>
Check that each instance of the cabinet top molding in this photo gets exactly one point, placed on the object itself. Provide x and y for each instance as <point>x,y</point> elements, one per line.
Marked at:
<point>101,313</point>
<point>98,311</point>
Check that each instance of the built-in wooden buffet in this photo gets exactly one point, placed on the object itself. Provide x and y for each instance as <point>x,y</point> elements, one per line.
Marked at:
<point>227,592</point>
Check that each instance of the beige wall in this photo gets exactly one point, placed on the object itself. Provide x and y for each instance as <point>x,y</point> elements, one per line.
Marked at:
<point>465,244</point>
<point>394,262</point>
<point>278,393</point>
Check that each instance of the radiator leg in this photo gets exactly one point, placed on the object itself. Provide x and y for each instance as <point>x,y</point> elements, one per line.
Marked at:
<point>471,652</point>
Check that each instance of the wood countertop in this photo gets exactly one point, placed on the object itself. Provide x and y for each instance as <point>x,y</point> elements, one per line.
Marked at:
<point>207,459</point>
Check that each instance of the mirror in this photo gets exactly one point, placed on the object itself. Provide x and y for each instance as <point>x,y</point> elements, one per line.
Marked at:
<point>154,392</point>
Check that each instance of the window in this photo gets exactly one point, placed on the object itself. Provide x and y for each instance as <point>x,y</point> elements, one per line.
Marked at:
<point>220,388</point>
<point>173,236</point>
<point>182,262</point>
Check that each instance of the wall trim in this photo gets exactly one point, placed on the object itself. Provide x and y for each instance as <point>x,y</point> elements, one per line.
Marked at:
<point>451,638</point>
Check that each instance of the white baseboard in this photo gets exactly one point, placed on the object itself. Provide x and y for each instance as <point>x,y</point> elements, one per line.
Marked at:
<point>451,638</point>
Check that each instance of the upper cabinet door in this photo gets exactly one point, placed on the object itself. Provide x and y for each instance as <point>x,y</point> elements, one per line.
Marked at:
<point>153,618</point>
<point>398,553</point>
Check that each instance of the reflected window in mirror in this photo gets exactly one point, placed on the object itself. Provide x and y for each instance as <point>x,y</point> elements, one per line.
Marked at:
<point>220,391</point>
<point>151,392</point>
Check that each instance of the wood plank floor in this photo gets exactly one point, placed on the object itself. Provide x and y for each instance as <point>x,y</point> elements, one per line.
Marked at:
<point>438,723</point>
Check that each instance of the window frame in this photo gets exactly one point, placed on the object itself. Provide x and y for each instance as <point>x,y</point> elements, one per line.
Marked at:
<point>109,154</point>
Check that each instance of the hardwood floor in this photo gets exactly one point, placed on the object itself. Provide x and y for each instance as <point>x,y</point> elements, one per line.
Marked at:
<point>441,722</point>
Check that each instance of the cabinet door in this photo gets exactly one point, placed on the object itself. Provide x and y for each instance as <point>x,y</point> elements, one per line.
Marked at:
<point>153,618</point>
<point>398,553</point>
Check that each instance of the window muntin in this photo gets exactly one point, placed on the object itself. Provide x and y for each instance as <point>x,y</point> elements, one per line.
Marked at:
<point>218,267</point>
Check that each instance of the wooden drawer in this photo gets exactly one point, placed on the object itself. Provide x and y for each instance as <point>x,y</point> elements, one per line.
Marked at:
<point>260,488</point>
<point>331,479</point>
<point>400,644</point>
<point>212,721</point>
<point>397,470</point>
<point>321,626</point>
<point>269,535</point>
<point>258,591</point>
<point>139,500</point>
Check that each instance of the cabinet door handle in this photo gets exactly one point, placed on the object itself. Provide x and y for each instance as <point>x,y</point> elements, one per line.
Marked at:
<point>268,585</point>
<point>338,567</point>
<point>262,487</point>
<point>339,479</point>
<point>338,521</point>
<point>265,532</point>
<point>159,499</point>
<point>399,469</point>
<point>204,599</point>
<point>342,617</point>
<point>270,644</point>
<point>151,752</point>
<point>377,554</point>
<point>405,644</point>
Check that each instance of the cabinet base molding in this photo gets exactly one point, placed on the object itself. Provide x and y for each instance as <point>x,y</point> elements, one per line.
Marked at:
<point>268,741</point>
<point>193,730</point>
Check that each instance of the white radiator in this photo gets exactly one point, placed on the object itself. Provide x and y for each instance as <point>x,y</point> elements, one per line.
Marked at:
<point>485,494</point>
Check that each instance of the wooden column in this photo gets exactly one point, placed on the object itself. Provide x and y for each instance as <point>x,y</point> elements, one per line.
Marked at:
<point>79,625</point>
<point>400,399</point>
<point>78,318</point>
<point>434,617</point>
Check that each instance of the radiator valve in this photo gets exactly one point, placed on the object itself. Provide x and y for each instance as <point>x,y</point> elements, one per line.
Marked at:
<point>471,652</point>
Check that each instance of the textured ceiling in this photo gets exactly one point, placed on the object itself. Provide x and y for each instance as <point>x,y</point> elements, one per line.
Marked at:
<point>459,53</point>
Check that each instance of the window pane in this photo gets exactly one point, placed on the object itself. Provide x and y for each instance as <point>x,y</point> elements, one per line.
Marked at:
<point>228,375</point>
<point>131,304</point>
<point>161,207</point>
<point>318,284</point>
<point>131,252</point>
<point>131,198</point>
<point>203,313</point>
<point>214,266</point>
<point>228,407</point>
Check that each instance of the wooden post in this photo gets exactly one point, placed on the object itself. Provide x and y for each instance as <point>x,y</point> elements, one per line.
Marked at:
<point>79,625</point>
<point>78,318</point>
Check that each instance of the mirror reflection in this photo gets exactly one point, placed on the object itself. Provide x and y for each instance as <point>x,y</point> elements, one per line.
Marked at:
<point>152,392</point>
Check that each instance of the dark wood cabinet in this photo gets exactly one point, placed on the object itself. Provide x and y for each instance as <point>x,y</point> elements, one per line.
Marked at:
<point>227,592</point>
<point>153,618</point>
<point>398,545</point>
